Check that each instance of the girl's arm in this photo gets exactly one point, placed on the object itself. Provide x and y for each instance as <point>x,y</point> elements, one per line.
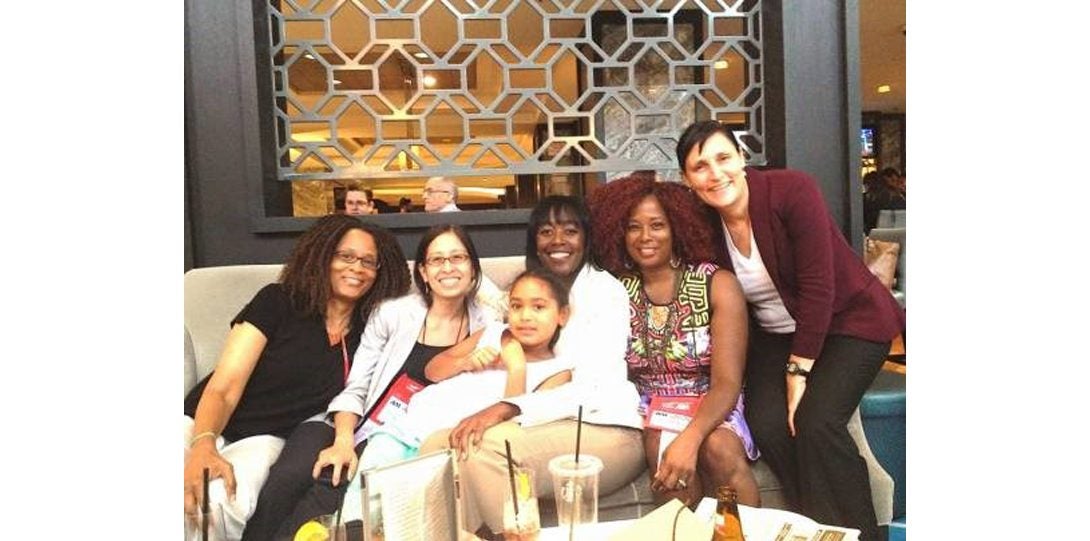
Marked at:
<point>514,359</point>
<point>461,357</point>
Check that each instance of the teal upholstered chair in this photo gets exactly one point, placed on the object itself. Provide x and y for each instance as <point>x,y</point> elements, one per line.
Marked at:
<point>883,412</point>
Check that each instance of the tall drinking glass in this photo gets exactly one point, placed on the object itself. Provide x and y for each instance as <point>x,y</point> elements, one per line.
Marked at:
<point>576,488</point>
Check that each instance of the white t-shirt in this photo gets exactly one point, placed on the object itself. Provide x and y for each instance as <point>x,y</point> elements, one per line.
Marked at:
<point>757,286</point>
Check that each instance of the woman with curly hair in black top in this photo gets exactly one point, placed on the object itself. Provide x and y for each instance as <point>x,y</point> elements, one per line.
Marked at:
<point>286,356</point>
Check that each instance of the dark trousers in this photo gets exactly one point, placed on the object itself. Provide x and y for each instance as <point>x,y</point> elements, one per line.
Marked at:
<point>822,474</point>
<point>291,495</point>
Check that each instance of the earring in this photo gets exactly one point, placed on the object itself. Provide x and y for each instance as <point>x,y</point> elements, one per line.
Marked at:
<point>627,262</point>
<point>675,261</point>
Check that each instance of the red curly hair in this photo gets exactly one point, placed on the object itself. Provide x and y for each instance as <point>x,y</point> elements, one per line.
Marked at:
<point>611,206</point>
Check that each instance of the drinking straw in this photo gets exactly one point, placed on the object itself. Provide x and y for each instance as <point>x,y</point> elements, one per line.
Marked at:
<point>578,434</point>
<point>576,493</point>
<point>337,521</point>
<point>204,509</point>
<point>511,474</point>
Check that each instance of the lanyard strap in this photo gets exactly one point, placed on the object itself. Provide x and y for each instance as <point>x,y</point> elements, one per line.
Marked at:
<point>344,357</point>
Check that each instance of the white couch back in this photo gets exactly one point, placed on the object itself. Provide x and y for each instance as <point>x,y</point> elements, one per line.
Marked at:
<point>214,295</point>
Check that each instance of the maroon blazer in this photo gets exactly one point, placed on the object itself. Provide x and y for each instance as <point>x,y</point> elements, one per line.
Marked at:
<point>823,283</point>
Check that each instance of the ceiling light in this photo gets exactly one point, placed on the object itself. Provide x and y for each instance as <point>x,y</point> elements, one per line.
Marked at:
<point>882,89</point>
<point>720,65</point>
<point>420,54</point>
<point>336,81</point>
<point>429,80</point>
<point>308,56</point>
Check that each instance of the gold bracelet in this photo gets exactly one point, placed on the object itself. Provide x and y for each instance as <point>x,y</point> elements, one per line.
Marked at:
<point>201,435</point>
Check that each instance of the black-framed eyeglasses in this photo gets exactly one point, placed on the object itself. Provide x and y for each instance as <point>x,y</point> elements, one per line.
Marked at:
<point>349,258</point>
<point>438,260</point>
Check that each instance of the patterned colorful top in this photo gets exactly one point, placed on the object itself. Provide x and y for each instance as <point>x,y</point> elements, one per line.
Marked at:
<point>669,347</point>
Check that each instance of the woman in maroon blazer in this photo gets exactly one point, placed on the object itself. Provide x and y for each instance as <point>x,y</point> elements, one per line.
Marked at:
<point>822,323</point>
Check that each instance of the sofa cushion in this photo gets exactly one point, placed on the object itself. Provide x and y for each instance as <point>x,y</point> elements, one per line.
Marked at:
<point>898,235</point>
<point>881,258</point>
<point>213,297</point>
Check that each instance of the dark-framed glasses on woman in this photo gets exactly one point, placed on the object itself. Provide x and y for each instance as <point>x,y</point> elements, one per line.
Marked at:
<point>349,258</point>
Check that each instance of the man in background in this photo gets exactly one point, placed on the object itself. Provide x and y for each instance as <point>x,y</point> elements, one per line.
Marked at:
<point>440,195</point>
<point>357,203</point>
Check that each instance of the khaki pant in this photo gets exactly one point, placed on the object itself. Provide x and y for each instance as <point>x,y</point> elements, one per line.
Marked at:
<point>485,478</point>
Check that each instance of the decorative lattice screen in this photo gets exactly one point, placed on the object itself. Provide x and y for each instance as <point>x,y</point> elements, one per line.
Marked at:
<point>411,88</point>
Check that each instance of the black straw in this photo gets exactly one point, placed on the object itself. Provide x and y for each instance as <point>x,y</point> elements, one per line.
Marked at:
<point>578,434</point>
<point>511,474</point>
<point>204,508</point>
<point>337,521</point>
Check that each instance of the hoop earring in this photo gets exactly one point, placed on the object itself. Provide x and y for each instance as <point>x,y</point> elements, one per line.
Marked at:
<point>627,262</point>
<point>675,261</point>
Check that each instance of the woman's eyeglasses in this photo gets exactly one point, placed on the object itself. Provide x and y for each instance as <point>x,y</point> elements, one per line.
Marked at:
<point>349,258</point>
<point>438,260</point>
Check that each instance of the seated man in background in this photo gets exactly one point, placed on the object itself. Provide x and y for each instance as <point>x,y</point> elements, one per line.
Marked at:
<point>357,202</point>
<point>440,195</point>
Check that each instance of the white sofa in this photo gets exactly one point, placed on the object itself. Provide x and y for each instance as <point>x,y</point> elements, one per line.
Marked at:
<point>214,295</point>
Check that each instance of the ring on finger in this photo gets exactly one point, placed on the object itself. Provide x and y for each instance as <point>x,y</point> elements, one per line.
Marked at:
<point>681,483</point>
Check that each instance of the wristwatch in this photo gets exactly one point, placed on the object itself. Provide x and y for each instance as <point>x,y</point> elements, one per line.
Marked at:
<point>794,369</point>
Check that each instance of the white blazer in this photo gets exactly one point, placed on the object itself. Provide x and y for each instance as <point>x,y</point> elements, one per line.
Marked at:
<point>387,340</point>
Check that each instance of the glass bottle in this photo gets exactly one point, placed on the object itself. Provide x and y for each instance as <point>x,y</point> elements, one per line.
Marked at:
<point>728,525</point>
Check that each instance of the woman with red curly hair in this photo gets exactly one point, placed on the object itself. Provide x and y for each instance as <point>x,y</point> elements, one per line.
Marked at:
<point>655,238</point>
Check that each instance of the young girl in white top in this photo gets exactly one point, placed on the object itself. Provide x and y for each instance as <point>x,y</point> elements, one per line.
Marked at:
<point>499,361</point>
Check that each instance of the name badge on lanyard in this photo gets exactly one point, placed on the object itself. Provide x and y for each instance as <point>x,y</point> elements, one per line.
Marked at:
<point>671,413</point>
<point>393,405</point>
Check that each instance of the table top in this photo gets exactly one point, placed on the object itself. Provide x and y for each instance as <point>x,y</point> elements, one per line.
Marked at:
<point>601,530</point>
<point>761,524</point>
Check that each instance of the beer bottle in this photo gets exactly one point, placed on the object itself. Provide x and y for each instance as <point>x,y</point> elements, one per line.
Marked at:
<point>728,525</point>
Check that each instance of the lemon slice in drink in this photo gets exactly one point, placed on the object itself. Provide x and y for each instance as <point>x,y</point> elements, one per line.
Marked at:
<point>312,531</point>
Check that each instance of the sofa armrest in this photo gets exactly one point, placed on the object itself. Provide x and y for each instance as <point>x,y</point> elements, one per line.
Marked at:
<point>189,379</point>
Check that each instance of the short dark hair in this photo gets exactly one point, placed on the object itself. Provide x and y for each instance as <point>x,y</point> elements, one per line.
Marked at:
<point>890,172</point>
<point>696,134</point>
<point>342,201</point>
<point>305,276</point>
<point>554,207</point>
<point>422,253</point>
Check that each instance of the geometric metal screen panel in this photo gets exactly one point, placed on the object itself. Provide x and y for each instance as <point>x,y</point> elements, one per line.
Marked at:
<point>413,88</point>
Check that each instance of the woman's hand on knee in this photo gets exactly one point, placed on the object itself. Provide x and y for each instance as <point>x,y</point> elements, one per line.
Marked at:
<point>677,468</point>
<point>342,457</point>
<point>201,457</point>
